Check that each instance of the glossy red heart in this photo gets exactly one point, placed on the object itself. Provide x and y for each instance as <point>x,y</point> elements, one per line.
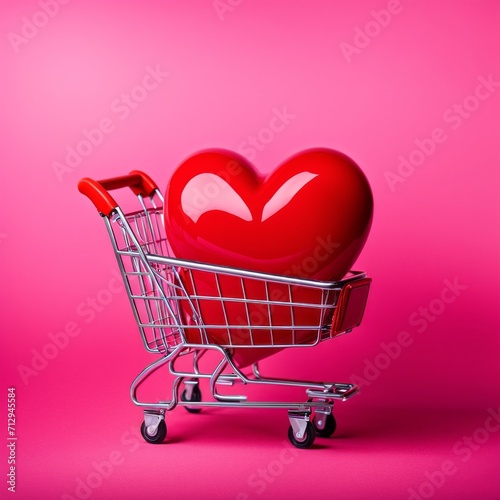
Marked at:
<point>310,218</point>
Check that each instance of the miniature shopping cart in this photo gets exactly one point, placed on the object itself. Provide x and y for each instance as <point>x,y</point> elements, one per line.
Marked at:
<point>174,309</point>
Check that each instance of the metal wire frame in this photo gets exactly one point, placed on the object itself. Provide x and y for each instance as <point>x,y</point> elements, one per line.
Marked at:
<point>172,305</point>
<point>168,307</point>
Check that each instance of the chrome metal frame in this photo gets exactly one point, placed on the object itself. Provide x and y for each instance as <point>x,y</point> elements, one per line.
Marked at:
<point>156,286</point>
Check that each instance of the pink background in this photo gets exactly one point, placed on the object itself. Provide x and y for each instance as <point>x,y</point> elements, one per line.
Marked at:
<point>225,78</point>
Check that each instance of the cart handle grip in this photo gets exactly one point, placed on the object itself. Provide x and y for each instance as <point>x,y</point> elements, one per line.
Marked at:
<point>97,191</point>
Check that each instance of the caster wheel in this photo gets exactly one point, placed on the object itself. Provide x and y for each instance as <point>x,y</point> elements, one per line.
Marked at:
<point>307,439</point>
<point>195,396</point>
<point>158,436</point>
<point>330,425</point>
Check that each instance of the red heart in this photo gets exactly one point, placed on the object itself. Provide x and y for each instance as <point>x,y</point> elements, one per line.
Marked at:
<point>309,219</point>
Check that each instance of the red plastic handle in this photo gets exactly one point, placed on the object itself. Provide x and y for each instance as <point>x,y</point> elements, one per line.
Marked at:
<point>97,191</point>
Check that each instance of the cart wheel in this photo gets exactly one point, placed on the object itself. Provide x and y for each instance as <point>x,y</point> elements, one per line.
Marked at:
<point>328,429</point>
<point>195,396</point>
<point>158,436</point>
<point>306,441</point>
